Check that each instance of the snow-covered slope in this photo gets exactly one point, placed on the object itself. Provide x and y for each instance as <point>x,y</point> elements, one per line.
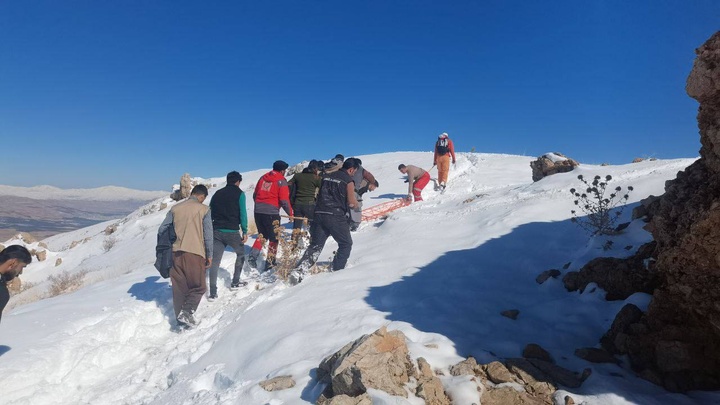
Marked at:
<point>440,270</point>
<point>107,193</point>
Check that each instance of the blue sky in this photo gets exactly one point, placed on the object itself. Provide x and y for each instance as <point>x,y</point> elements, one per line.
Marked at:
<point>136,93</point>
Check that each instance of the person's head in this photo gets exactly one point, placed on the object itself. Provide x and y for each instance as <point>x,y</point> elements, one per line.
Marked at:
<point>443,135</point>
<point>200,192</point>
<point>280,166</point>
<point>13,260</point>
<point>313,166</point>
<point>402,168</point>
<point>350,166</point>
<point>339,158</point>
<point>234,178</point>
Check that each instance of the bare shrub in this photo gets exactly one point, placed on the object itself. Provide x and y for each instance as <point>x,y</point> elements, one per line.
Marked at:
<point>65,282</point>
<point>108,243</point>
<point>289,249</point>
<point>601,210</point>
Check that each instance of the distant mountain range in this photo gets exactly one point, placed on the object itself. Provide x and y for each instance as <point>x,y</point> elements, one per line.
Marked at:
<point>46,210</point>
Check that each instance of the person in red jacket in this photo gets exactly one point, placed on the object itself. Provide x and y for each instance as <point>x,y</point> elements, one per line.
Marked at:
<point>444,149</point>
<point>271,193</point>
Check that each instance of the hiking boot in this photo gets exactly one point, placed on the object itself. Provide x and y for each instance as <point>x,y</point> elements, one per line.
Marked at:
<point>186,319</point>
<point>237,284</point>
<point>212,297</point>
<point>295,277</point>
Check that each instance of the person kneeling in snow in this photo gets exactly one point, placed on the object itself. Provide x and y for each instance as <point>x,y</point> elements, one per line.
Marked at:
<point>336,199</point>
<point>417,180</point>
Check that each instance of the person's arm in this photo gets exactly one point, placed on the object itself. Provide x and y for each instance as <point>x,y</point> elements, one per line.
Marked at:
<point>372,181</point>
<point>351,200</point>
<point>243,215</point>
<point>452,150</point>
<point>167,222</point>
<point>208,237</point>
<point>435,155</point>
<point>284,197</point>
<point>411,181</point>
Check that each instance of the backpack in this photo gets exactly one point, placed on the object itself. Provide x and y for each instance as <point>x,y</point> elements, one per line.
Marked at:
<point>442,147</point>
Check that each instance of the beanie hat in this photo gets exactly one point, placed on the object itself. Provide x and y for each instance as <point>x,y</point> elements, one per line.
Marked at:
<point>443,135</point>
<point>279,166</point>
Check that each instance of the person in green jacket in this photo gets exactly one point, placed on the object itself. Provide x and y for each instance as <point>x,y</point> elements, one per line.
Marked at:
<point>304,188</point>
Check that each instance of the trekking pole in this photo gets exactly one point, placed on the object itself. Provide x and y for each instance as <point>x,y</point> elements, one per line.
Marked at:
<point>294,218</point>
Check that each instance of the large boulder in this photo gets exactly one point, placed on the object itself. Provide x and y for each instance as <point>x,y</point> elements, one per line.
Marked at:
<point>380,360</point>
<point>676,343</point>
<point>186,185</point>
<point>551,163</point>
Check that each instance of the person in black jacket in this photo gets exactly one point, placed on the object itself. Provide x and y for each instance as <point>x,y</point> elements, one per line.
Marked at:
<point>229,218</point>
<point>13,260</point>
<point>334,202</point>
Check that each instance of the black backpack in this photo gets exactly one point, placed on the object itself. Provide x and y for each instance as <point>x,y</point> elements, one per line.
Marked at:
<point>442,146</point>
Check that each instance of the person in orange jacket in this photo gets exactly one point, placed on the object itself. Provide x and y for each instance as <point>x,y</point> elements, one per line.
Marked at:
<point>444,150</point>
<point>271,193</point>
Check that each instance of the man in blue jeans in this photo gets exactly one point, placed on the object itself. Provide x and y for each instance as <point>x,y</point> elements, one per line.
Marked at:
<point>229,217</point>
<point>334,203</point>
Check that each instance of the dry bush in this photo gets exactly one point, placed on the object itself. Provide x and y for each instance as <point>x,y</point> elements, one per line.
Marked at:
<point>290,249</point>
<point>602,207</point>
<point>65,282</point>
<point>108,243</point>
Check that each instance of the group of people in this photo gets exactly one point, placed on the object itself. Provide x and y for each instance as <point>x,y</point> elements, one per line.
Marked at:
<point>327,195</point>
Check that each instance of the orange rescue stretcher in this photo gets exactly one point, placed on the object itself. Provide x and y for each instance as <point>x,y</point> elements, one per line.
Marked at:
<point>382,210</point>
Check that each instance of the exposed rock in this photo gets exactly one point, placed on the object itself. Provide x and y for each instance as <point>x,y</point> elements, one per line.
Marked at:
<point>75,243</point>
<point>278,383</point>
<point>620,278</point>
<point>535,351</point>
<point>2,247</point>
<point>569,400</point>
<point>14,285</point>
<point>379,360</point>
<point>551,163</point>
<point>42,245</point>
<point>343,399</point>
<point>637,160</point>
<point>545,275</point>
<point>431,346</point>
<point>643,209</point>
<point>26,237</point>
<point>163,206</point>
<point>507,395</point>
<point>628,315</point>
<point>41,255</point>
<point>58,261</point>
<point>110,229</point>
<point>557,374</point>
<point>536,382</point>
<point>468,366</point>
<point>595,355</point>
<point>186,186</point>
<point>510,313</point>
<point>678,347</point>
<point>498,373</point>
<point>429,387</point>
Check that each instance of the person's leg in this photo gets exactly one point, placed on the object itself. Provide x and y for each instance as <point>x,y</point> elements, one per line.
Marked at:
<point>257,247</point>
<point>340,231</point>
<point>318,237</point>
<point>234,240</point>
<point>179,284</point>
<point>420,185</point>
<point>443,165</point>
<point>195,276</point>
<point>356,216</point>
<point>272,241</point>
<point>218,250</point>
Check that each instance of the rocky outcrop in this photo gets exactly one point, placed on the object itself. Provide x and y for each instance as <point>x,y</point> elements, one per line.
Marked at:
<point>551,163</point>
<point>186,186</point>
<point>278,383</point>
<point>676,342</point>
<point>620,278</point>
<point>379,360</point>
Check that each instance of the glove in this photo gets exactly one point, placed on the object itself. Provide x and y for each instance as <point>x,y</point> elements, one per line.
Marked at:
<point>453,162</point>
<point>377,184</point>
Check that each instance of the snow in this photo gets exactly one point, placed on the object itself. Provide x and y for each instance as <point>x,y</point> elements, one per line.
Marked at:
<point>441,271</point>
<point>555,158</point>
<point>107,193</point>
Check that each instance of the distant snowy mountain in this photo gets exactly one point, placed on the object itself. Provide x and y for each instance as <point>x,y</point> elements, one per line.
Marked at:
<point>441,271</point>
<point>107,193</point>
